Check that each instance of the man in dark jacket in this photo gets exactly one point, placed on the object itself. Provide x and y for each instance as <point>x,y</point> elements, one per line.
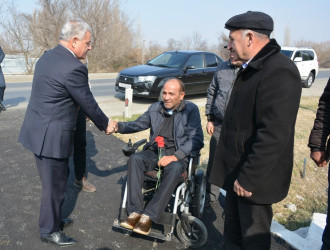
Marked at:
<point>218,95</point>
<point>60,87</point>
<point>254,158</point>
<point>2,82</point>
<point>319,144</point>
<point>178,122</point>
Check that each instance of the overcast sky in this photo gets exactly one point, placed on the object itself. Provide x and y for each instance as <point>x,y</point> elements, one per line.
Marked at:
<point>160,20</point>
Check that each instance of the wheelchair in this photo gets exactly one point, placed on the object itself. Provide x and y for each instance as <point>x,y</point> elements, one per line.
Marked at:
<point>184,210</point>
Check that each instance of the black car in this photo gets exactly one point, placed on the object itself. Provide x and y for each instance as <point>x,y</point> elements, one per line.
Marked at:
<point>194,68</point>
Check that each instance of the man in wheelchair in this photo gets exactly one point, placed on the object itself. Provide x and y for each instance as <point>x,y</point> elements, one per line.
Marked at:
<point>178,122</point>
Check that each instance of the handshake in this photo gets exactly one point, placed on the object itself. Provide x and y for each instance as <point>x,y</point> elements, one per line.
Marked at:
<point>112,127</point>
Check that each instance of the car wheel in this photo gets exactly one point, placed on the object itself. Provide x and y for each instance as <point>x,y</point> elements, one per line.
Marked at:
<point>309,81</point>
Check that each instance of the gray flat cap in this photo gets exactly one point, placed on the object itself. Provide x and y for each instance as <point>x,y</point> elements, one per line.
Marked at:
<point>252,20</point>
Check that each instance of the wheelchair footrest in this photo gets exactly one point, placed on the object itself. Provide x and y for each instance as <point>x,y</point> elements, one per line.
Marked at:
<point>154,233</point>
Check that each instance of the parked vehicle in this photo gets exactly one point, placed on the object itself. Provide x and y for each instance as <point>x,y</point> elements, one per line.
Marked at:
<point>306,61</point>
<point>194,68</point>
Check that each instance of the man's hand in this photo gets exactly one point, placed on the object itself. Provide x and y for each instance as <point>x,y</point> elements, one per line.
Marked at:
<point>210,128</point>
<point>112,127</point>
<point>165,160</point>
<point>319,158</point>
<point>240,191</point>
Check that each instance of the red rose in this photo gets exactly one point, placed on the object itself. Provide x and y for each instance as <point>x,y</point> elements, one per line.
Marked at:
<point>160,141</point>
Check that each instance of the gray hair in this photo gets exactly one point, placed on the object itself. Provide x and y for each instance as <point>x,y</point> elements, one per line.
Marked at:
<point>260,36</point>
<point>74,28</point>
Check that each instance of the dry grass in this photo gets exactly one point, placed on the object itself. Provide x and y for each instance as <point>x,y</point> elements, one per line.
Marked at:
<point>309,194</point>
<point>308,189</point>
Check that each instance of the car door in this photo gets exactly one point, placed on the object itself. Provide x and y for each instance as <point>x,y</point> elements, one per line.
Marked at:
<point>303,64</point>
<point>193,75</point>
<point>211,64</point>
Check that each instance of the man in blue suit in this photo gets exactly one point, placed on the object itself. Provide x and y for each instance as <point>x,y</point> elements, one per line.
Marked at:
<point>60,88</point>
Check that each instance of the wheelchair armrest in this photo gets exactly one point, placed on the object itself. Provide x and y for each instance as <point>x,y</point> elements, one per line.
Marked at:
<point>139,143</point>
<point>194,153</point>
<point>194,158</point>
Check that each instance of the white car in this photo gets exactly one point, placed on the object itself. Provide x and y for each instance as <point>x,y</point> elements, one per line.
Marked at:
<point>306,61</point>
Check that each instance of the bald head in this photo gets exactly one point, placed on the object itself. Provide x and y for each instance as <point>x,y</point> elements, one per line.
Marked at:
<point>173,93</point>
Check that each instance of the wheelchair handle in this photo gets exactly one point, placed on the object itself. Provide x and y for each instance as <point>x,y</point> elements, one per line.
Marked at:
<point>130,149</point>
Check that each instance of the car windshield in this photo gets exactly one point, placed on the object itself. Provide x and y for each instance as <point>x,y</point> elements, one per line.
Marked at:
<point>169,60</point>
<point>288,53</point>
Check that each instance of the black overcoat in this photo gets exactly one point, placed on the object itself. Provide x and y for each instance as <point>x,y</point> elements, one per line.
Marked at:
<point>257,136</point>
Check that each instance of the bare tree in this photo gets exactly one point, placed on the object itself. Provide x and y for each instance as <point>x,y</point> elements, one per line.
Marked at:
<point>173,44</point>
<point>45,24</point>
<point>154,49</point>
<point>15,29</point>
<point>198,43</point>
<point>112,33</point>
<point>222,51</point>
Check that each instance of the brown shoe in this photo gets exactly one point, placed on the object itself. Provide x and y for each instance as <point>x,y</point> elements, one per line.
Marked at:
<point>85,185</point>
<point>130,222</point>
<point>143,226</point>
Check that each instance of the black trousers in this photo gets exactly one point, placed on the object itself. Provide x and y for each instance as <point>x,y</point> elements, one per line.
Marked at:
<point>2,85</point>
<point>79,152</point>
<point>2,92</point>
<point>140,163</point>
<point>247,225</point>
<point>213,190</point>
<point>54,175</point>
<point>326,232</point>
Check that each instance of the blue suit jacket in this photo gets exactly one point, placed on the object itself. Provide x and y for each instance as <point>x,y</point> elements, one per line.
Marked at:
<point>60,85</point>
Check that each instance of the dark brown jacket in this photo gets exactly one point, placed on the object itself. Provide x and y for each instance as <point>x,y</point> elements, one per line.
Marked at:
<point>256,142</point>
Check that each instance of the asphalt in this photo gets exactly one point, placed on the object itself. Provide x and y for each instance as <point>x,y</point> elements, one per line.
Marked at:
<point>93,213</point>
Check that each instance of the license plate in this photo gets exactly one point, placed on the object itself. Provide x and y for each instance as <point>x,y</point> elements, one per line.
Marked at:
<point>124,85</point>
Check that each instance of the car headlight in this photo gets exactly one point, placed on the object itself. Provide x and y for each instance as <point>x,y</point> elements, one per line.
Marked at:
<point>117,78</point>
<point>149,79</point>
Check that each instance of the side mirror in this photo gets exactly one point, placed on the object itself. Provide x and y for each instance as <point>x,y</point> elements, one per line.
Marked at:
<point>188,67</point>
<point>298,59</point>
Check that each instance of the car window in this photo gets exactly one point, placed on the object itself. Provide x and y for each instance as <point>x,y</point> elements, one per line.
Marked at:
<point>196,61</point>
<point>288,53</point>
<point>211,60</point>
<point>305,56</point>
<point>311,55</point>
<point>298,54</point>
<point>172,60</point>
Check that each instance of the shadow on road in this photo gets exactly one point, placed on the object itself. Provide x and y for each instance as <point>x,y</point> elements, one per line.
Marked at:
<point>13,102</point>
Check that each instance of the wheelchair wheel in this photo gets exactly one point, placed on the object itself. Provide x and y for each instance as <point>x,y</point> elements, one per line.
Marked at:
<point>193,235</point>
<point>198,201</point>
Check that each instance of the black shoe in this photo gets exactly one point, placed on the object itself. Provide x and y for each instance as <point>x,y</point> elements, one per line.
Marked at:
<point>2,107</point>
<point>66,223</point>
<point>59,238</point>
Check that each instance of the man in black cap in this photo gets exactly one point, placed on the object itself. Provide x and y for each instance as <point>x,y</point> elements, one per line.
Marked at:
<point>254,157</point>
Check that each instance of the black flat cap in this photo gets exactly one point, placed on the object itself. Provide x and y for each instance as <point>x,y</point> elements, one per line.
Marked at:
<point>252,20</point>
